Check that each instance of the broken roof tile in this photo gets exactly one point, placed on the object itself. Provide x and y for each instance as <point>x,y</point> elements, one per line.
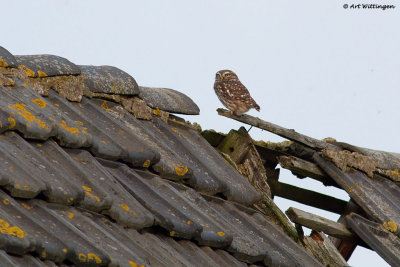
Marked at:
<point>378,196</point>
<point>385,243</point>
<point>46,65</point>
<point>7,59</point>
<point>109,80</point>
<point>168,100</point>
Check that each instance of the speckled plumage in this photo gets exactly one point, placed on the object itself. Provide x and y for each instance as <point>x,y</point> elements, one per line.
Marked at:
<point>232,93</point>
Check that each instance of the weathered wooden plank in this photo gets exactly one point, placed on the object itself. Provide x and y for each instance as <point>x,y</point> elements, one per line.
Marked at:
<point>307,197</point>
<point>319,223</point>
<point>290,134</point>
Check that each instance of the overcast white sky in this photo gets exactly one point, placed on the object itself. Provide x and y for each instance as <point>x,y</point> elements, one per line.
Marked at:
<point>311,65</point>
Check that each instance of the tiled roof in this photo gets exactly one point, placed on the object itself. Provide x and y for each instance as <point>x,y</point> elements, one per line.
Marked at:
<point>86,183</point>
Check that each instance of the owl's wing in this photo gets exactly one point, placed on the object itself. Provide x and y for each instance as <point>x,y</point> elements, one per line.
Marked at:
<point>239,91</point>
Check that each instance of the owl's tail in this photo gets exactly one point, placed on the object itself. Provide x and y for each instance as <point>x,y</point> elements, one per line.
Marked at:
<point>256,106</point>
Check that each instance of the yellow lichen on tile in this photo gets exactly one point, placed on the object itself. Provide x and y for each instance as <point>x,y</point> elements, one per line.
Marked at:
<point>104,105</point>
<point>64,250</point>
<point>5,228</point>
<point>11,168</point>
<point>156,111</point>
<point>20,109</point>
<point>6,201</point>
<point>39,102</point>
<point>43,254</point>
<point>72,130</point>
<point>172,233</point>
<point>146,164</point>
<point>26,206</point>
<point>93,257</point>
<point>3,63</point>
<point>221,233</point>
<point>90,194</point>
<point>134,264</point>
<point>176,131</point>
<point>180,169</point>
<point>189,222</point>
<point>41,74</point>
<point>390,226</point>
<point>28,71</point>
<point>126,208</point>
<point>90,257</point>
<point>121,132</point>
<point>12,123</point>
<point>179,122</point>
<point>70,215</point>
<point>79,123</point>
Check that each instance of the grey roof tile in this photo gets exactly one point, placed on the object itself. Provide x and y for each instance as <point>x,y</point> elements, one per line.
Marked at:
<point>30,171</point>
<point>7,59</point>
<point>168,100</point>
<point>30,233</point>
<point>109,80</point>
<point>78,247</point>
<point>109,138</point>
<point>378,197</point>
<point>386,244</point>
<point>26,260</point>
<point>47,65</point>
<point>147,192</point>
<point>125,209</point>
<point>20,172</point>
<point>255,241</point>
<point>225,258</point>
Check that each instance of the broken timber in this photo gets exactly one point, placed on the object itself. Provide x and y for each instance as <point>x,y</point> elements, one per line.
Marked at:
<point>278,130</point>
<point>319,223</point>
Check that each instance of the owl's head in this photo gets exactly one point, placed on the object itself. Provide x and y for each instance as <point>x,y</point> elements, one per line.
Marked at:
<point>225,75</point>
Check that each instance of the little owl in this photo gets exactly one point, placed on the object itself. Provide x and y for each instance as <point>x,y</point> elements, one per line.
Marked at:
<point>232,93</point>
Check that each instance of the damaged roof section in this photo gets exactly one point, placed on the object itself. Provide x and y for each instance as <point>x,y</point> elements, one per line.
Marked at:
<point>370,177</point>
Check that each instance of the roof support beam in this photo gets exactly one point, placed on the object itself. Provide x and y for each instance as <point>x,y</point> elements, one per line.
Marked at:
<point>307,197</point>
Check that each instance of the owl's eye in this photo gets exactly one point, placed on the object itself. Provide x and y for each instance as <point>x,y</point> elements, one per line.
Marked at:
<point>227,75</point>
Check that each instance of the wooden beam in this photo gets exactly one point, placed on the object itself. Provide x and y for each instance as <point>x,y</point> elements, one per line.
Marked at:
<point>307,197</point>
<point>278,130</point>
<point>319,223</point>
<point>303,168</point>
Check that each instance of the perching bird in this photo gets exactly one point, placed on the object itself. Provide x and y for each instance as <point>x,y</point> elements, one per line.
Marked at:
<point>232,93</point>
